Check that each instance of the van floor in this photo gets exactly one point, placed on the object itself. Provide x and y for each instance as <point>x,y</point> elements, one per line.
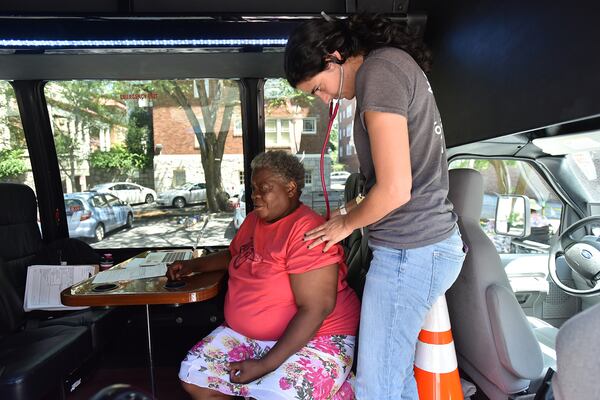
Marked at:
<point>167,383</point>
<point>124,360</point>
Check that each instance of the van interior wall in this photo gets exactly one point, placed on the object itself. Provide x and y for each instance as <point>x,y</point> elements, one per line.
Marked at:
<point>512,66</point>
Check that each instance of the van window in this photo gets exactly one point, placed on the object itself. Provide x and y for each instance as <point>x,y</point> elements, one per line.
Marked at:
<point>586,167</point>
<point>516,177</point>
<point>297,123</point>
<point>165,147</point>
<point>15,164</point>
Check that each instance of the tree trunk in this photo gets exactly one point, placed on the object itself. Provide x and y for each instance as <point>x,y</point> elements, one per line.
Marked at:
<point>211,146</point>
<point>502,175</point>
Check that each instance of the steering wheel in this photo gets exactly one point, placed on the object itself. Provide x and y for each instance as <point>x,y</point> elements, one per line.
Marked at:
<point>581,255</point>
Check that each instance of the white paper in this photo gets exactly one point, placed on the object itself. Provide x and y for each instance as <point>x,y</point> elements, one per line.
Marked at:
<point>128,274</point>
<point>45,282</point>
<point>135,263</point>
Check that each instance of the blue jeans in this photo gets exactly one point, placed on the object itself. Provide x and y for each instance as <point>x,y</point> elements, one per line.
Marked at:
<point>401,287</point>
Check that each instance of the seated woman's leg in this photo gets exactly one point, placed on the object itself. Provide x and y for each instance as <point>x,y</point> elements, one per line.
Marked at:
<point>200,393</point>
<point>320,368</point>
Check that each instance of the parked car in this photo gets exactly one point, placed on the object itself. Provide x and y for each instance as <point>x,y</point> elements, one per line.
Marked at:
<point>92,214</point>
<point>131,193</point>
<point>337,179</point>
<point>239,211</point>
<point>183,195</point>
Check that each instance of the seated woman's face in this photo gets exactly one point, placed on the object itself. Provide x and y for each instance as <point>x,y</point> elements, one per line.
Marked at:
<point>273,198</point>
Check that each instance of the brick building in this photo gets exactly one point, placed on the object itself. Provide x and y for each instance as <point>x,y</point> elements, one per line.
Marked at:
<point>346,150</point>
<point>299,130</point>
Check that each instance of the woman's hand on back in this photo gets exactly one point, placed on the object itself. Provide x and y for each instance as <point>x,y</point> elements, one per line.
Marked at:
<point>330,233</point>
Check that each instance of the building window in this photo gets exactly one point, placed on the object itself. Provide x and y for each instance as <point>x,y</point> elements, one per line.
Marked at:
<point>309,126</point>
<point>348,149</point>
<point>241,176</point>
<point>277,132</point>
<point>308,177</point>
<point>178,177</point>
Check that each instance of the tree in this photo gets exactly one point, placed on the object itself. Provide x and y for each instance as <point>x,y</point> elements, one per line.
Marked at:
<point>11,163</point>
<point>12,137</point>
<point>139,139</point>
<point>78,107</point>
<point>10,119</point>
<point>217,99</point>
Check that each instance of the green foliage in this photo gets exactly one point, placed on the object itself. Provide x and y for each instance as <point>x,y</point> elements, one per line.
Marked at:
<point>12,163</point>
<point>278,92</point>
<point>139,135</point>
<point>118,158</point>
<point>65,145</point>
<point>479,165</point>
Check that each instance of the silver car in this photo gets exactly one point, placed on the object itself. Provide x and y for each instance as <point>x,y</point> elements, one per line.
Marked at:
<point>91,215</point>
<point>131,193</point>
<point>189,193</point>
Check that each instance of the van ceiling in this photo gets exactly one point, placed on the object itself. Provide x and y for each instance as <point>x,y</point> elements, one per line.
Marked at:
<point>499,67</point>
<point>186,7</point>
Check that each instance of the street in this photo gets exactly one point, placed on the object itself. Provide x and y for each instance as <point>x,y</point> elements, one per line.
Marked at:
<point>171,227</point>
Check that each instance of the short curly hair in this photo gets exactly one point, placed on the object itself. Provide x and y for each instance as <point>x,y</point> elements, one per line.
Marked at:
<point>281,163</point>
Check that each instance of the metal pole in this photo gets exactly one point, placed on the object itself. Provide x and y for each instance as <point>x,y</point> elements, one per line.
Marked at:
<point>152,382</point>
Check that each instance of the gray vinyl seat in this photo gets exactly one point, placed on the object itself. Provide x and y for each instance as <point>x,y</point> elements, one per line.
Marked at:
<point>497,346</point>
<point>578,361</point>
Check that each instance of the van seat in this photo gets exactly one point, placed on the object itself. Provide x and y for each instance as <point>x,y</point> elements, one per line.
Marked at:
<point>35,362</point>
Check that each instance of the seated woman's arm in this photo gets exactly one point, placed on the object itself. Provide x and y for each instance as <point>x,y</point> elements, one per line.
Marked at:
<point>315,293</point>
<point>212,262</point>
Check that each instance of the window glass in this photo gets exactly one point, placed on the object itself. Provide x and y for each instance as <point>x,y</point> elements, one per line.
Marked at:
<point>112,200</point>
<point>15,165</point>
<point>586,167</point>
<point>309,126</point>
<point>98,201</point>
<point>515,177</point>
<point>297,123</point>
<point>165,136</point>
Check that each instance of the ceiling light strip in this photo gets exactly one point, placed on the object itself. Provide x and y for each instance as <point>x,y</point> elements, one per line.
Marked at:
<point>12,43</point>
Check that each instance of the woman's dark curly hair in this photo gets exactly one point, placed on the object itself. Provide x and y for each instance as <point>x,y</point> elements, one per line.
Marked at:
<point>309,46</point>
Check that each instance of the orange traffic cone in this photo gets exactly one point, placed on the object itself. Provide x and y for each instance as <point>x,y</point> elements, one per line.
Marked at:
<point>436,368</point>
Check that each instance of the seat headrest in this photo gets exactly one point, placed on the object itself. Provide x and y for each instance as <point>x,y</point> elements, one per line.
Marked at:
<point>17,204</point>
<point>466,192</point>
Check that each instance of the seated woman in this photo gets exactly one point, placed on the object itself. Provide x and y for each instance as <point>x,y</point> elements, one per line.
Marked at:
<point>290,316</point>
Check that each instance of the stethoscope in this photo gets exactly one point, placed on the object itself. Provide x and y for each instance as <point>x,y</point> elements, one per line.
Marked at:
<point>332,114</point>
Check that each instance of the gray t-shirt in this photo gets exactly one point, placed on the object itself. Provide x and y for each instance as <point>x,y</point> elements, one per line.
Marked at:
<point>390,81</point>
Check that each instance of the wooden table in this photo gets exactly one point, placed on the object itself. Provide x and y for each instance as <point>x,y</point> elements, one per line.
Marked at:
<point>197,287</point>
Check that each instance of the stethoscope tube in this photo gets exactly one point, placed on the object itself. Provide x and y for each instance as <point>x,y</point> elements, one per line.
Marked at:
<point>333,110</point>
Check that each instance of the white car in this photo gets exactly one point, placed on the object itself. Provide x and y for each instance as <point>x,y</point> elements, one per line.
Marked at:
<point>337,179</point>
<point>188,193</point>
<point>130,193</point>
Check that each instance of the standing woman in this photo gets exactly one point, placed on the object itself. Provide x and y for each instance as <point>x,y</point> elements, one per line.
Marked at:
<point>417,249</point>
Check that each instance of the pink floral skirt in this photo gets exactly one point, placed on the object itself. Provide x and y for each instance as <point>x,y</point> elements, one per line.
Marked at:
<point>319,371</point>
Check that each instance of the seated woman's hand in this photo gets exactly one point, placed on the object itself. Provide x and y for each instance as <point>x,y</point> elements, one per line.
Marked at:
<point>177,270</point>
<point>247,371</point>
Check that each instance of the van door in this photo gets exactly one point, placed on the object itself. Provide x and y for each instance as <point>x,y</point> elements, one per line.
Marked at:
<point>104,213</point>
<point>525,260</point>
<point>198,193</point>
